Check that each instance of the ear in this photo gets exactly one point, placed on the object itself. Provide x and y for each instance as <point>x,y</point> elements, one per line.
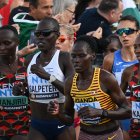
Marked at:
<point>76,27</point>
<point>111,13</point>
<point>32,9</point>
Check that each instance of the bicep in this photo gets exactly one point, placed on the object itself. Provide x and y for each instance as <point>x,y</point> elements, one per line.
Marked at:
<point>108,63</point>
<point>117,94</point>
<point>124,83</point>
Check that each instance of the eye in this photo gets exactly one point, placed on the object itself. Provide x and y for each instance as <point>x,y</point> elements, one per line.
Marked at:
<point>73,56</point>
<point>7,42</point>
<point>82,55</point>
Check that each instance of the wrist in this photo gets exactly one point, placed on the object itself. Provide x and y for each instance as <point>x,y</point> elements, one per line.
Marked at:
<point>19,53</point>
<point>104,113</point>
<point>52,79</point>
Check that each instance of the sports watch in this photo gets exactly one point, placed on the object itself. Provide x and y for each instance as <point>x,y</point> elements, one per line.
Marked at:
<point>52,79</point>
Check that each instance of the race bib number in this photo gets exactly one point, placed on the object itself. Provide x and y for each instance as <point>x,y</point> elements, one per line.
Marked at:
<point>96,104</point>
<point>136,110</point>
<point>77,106</point>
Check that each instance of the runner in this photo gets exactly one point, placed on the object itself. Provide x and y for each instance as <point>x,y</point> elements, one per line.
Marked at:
<point>14,110</point>
<point>94,94</point>
<point>131,78</point>
<point>47,71</point>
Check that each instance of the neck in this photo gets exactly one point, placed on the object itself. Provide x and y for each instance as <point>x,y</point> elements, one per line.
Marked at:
<point>48,54</point>
<point>93,4</point>
<point>128,54</point>
<point>103,15</point>
<point>86,74</point>
<point>6,60</point>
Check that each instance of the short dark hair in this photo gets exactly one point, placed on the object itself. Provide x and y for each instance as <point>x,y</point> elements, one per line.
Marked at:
<point>132,19</point>
<point>113,37</point>
<point>34,3</point>
<point>108,5</point>
<point>91,41</point>
<point>51,21</point>
<point>11,28</point>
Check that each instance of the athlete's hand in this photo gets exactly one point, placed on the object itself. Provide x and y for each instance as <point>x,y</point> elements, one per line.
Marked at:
<point>88,112</point>
<point>39,71</point>
<point>19,89</point>
<point>53,107</point>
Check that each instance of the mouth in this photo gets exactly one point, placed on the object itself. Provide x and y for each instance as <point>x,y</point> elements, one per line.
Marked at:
<point>40,44</point>
<point>77,67</point>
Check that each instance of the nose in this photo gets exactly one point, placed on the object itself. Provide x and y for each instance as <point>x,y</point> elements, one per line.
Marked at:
<point>49,11</point>
<point>76,59</point>
<point>2,47</point>
<point>124,35</point>
<point>57,41</point>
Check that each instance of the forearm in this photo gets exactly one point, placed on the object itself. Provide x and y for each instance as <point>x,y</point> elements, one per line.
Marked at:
<point>58,84</point>
<point>119,114</point>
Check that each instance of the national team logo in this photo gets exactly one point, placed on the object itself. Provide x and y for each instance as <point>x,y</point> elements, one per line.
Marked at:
<point>20,76</point>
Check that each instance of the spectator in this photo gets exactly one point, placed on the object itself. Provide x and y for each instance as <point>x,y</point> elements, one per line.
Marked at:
<point>108,12</point>
<point>82,5</point>
<point>39,9</point>
<point>20,9</point>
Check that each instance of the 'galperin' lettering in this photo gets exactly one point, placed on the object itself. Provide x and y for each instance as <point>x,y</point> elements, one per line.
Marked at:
<point>42,89</point>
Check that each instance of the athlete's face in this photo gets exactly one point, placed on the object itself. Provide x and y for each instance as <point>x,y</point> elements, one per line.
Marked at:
<point>81,57</point>
<point>127,40</point>
<point>46,37</point>
<point>8,43</point>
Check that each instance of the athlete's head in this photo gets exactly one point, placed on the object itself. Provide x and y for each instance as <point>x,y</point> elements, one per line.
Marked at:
<point>8,40</point>
<point>47,32</point>
<point>83,53</point>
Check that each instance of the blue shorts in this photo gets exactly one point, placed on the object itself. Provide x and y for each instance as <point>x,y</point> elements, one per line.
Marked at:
<point>49,128</point>
<point>125,124</point>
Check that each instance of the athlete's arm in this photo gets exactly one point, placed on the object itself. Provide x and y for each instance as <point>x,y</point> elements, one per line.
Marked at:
<point>126,75</point>
<point>108,62</point>
<point>117,96</point>
<point>67,116</point>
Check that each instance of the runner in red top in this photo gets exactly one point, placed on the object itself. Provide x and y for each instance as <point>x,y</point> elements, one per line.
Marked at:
<point>14,110</point>
<point>131,78</point>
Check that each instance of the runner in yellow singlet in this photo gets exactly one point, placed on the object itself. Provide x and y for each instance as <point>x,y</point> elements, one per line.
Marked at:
<point>94,94</point>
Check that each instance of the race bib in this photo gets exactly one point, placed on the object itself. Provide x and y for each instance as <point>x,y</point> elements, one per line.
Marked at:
<point>136,110</point>
<point>96,104</point>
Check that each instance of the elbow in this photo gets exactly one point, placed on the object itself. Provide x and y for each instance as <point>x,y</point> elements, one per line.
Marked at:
<point>128,113</point>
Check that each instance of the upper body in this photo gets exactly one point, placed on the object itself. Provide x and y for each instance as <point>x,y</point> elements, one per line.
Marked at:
<point>103,16</point>
<point>118,61</point>
<point>12,71</point>
<point>19,9</point>
<point>43,65</point>
<point>39,9</point>
<point>5,11</point>
<point>131,79</point>
<point>82,5</point>
<point>86,90</point>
